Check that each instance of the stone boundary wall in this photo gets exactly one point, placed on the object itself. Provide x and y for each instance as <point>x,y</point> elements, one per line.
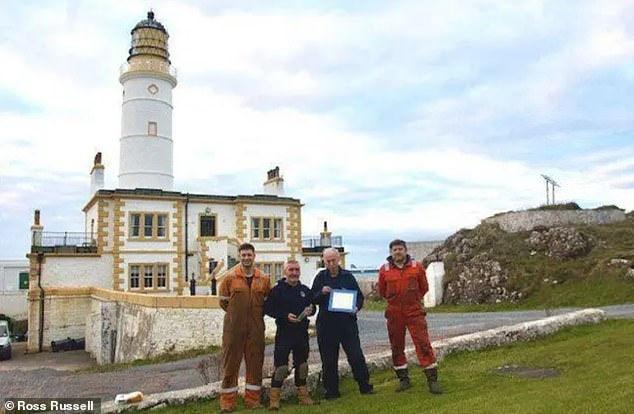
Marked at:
<point>65,311</point>
<point>421,249</point>
<point>122,327</point>
<point>527,220</point>
<point>493,337</point>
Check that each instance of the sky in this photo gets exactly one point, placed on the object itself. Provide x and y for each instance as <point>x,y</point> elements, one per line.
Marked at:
<point>407,119</point>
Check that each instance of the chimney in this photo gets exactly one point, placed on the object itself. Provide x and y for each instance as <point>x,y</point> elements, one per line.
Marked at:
<point>96,175</point>
<point>274,184</point>
<point>325,238</point>
<point>36,230</point>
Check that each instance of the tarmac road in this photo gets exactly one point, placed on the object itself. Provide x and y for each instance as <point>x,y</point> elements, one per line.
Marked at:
<point>22,378</point>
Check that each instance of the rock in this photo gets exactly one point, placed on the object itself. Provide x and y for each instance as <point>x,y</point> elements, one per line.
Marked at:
<point>560,242</point>
<point>618,262</point>
<point>630,272</point>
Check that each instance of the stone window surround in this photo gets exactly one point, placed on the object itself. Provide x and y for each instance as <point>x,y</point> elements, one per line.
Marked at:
<point>273,267</point>
<point>273,221</point>
<point>154,287</point>
<point>200,216</point>
<point>141,236</point>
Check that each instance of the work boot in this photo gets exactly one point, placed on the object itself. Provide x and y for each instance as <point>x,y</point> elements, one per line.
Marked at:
<point>366,388</point>
<point>432,380</point>
<point>252,399</point>
<point>228,402</point>
<point>303,396</point>
<point>274,398</point>
<point>403,380</point>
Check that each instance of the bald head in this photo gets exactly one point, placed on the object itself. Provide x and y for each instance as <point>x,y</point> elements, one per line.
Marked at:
<point>331,260</point>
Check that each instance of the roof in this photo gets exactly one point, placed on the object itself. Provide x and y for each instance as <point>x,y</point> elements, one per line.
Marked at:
<point>156,193</point>
<point>149,22</point>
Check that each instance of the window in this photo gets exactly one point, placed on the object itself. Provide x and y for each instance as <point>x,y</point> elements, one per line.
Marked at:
<point>278,271</point>
<point>277,228</point>
<point>134,276</point>
<point>207,226</point>
<point>274,269</point>
<point>161,222</point>
<point>135,225</point>
<point>151,128</point>
<point>148,276</point>
<point>255,228</point>
<point>161,276</point>
<point>267,228</point>
<point>23,280</point>
<point>148,226</point>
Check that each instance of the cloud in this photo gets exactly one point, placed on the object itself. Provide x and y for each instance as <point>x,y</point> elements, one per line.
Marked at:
<point>386,118</point>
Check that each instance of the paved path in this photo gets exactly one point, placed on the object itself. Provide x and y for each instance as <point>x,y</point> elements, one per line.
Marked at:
<point>47,382</point>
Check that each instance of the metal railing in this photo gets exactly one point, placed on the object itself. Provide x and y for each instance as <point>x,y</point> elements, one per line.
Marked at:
<point>310,242</point>
<point>63,238</point>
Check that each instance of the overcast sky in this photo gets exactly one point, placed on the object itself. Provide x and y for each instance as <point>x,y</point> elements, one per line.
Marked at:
<point>387,118</point>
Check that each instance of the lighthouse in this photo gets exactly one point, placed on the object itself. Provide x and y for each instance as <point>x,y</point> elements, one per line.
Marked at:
<point>146,145</point>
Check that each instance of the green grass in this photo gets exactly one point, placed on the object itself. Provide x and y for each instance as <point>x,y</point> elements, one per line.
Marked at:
<point>168,357</point>
<point>595,362</point>
<point>584,281</point>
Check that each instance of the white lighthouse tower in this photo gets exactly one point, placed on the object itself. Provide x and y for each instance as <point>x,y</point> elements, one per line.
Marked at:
<point>146,157</point>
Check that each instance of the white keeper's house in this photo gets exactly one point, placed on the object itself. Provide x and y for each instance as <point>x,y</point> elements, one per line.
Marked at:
<point>144,237</point>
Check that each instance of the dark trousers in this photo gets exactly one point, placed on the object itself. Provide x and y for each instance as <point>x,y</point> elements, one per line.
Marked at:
<point>287,341</point>
<point>330,335</point>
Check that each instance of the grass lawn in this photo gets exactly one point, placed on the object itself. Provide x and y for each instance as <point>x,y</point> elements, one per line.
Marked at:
<point>595,362</point>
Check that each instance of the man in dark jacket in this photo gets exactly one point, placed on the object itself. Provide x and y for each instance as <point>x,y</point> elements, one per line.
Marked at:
<point>338,328</point>
<point>290,303</point>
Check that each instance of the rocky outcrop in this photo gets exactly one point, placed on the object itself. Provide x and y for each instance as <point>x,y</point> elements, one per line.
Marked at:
<point>473,277</point>
<point>479,280</point>
<point>560,242</point>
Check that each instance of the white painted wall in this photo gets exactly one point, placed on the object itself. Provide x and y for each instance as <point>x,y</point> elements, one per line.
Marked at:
<point>69,271</point>
<point>435,273</point>
<point>13,301</point>
<point>225,220</point>
<point>146,161</point>
<point>309,269</point>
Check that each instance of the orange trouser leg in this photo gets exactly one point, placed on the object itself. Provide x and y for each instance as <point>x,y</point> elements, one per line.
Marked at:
<point>396,332</point>
<point>254,359</point>
<point>417,326</point>
<point>232,353</point>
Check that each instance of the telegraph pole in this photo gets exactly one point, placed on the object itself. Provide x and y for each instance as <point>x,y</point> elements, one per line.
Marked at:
<point>552,183</point>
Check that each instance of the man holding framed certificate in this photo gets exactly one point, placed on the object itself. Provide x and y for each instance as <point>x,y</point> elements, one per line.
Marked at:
<point>337,293</point>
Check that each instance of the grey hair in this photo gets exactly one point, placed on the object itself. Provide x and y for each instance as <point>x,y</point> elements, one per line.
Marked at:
<point>331,250</point>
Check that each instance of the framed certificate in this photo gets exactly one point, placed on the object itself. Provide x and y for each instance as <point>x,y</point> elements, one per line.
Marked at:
<point>342,300</point>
